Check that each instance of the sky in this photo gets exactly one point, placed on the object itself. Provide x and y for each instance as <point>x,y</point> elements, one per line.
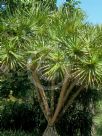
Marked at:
<point>93,9</point>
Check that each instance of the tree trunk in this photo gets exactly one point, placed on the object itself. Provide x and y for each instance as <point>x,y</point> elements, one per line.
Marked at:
<point>50,131</point>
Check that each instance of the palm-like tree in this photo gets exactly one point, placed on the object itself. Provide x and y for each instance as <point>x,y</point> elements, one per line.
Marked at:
<point>53,45</point>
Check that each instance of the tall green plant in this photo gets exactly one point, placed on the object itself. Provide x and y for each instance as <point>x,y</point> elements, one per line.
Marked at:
<point>57,48</point>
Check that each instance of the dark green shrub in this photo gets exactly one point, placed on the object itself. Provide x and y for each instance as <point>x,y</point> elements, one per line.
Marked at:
<point>16,133</point>
<point>17,81</point>
<point>75,123</point>
<point>78,120</point>
<point>16,115</point>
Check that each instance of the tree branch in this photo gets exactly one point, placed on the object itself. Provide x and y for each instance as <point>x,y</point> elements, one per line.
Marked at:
<point>69,91</point>
<point>60,101</point>
<point>71,100</point>
<point>42,94</point>
<point>52,96</point>
<point>42,105</point>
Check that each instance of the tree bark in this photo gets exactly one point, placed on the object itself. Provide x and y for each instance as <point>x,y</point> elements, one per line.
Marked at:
<point>71,100</point>
<point>50,131</point>
<point>41,96</point>
<point>52,97</point>
<point>60,101</point>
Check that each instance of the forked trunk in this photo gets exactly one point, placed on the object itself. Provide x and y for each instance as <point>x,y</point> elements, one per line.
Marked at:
<point>50,131</point>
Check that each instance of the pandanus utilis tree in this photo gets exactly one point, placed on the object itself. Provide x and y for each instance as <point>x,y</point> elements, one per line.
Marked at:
<point>56,48</point>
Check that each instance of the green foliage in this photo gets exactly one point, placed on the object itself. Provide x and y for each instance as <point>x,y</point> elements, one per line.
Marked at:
<point>18,115</point>
<point>43,34</point>
<point>75,123</point>
<point>58,43</point>
<point>18,82</point>
<point>11,6</point>
<point>22,115</point>
<point>16,133</point>
<point>78,119</point>
<point>98,118</point>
